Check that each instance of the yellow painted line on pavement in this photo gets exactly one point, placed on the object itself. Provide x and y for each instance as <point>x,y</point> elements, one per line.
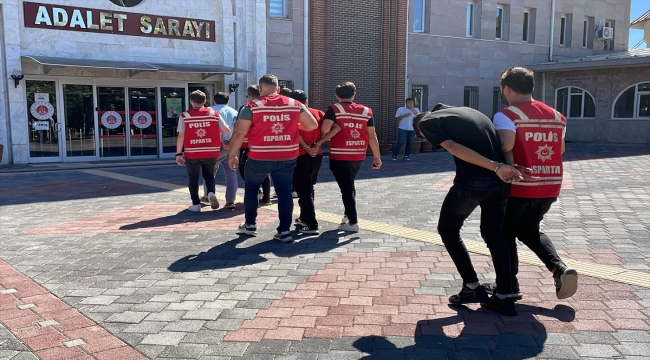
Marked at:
<point>606,272</point>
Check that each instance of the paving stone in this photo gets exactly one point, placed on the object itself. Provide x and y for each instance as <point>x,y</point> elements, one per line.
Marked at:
<point>184,351</point>
<point>629,348</point>
<point>632,336</point>
<point>226,349</point>
<point>596,351</point>
<point>164,338</point>
<point>276,347</point>
<point>130,317</point>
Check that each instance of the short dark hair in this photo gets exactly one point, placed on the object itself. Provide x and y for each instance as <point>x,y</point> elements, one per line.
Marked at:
<point>408,99</point>
<point>299,95</point>
<point>416,121</point>
<point>285,91</point>
<point>269,79</point>
<point>441,106</point>
<point>221,98</point>
<point>253,90</point>
<point>519,79</point>
<point>198,97</point>
<point>345,89</point>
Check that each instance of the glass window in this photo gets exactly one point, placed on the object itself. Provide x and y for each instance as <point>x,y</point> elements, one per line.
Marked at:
<point>609,44</point>
<point>563,30</point>
<point>286,84</point>
<point>526,25</point>
<point>574,102</point>
<point>499,29</point>
<point>644,105</point>
<point>277,9</point>
<point>497,104</point>
<point>469,25</point>
<point>420,95</point>
<point>418,15</point>
<point>624,106</point>
<point>470,98</point>
<point>585,33</point>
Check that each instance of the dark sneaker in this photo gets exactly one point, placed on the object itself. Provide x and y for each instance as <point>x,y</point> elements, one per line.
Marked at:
<point>406,158</point>
<point>204,199</point>
<point>247,229</point>
<point>516,293</point>
<point>566,282</point>
<point>306,230</point>
<point>299,223</point>
<point>503,306</point>
<point>394,158</point>
<point>229,205</point>
<point>265,202</point>
<point>469,296</point>
<point>284,236</point>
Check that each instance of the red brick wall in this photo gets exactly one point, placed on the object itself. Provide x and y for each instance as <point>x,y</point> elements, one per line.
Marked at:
<point>363,42</point>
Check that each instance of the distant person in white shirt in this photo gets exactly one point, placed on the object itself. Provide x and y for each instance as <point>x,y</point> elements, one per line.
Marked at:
<point>228,114</point>
<point>406,133</point>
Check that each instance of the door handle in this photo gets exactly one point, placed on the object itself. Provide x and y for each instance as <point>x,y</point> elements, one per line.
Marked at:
<point>57,127</point>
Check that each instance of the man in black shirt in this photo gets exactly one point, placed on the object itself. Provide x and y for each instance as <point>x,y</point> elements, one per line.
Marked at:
<point>482,179</point>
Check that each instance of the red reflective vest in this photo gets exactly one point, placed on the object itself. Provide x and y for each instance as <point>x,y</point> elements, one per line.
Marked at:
<point>202,134</point>
<point>351,143</point>
<point>538,145</point>
<point>310,137</point>
<point>273,135</point>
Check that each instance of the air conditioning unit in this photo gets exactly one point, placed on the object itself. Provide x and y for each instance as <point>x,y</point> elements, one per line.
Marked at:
<point>605,33</point>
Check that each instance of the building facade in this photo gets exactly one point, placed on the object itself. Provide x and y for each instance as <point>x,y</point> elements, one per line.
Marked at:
<point>108,82</point>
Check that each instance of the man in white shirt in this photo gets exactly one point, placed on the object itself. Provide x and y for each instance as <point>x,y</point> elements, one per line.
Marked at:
<point>228,115</point>
<point>405,133</point>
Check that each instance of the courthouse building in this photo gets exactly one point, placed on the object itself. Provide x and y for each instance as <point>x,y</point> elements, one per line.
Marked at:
<point>106,80</point>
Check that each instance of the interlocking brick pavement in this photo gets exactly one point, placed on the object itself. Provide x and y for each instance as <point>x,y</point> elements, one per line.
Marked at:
<point>195,291</point>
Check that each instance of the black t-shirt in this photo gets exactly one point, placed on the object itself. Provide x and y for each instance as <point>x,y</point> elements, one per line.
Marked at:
<point>471,129</point>
<point>331,115</point>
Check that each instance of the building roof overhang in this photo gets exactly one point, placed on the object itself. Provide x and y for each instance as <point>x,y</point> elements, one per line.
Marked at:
<point>630,58</point>
<point>638,22</point>
<point>134,67</point>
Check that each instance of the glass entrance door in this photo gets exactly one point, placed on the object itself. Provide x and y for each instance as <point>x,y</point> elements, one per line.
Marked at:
<point>173,105</point>
<point>112,126</point>
<point>79,121</point>
<point>142,122</point>
<point>44,128</point>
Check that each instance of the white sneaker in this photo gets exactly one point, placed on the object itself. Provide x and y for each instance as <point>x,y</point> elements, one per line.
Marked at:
<point>214,203</point>
<point>349,227</point>
<point>285,237</point>
<point>195,208</point>
<point>344,220</point>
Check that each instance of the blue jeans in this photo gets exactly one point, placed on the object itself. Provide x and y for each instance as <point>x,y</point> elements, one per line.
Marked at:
<point>404,136</point>
<point>230,174</point>
<point>458,205</point>
<point>282,174</point>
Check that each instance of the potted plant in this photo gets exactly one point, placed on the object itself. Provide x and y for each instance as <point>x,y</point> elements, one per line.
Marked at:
<point>426,146</point>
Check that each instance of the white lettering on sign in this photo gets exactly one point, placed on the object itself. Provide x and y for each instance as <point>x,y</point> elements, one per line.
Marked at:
<point>546,137</point>
<point>353,125</point>
<point>196,125</point>
<point>278,138</point>
<point>281,117</point>
<point>547,170</point>
<point>355,143</point>
<point>42,16</point>
<point>201,141</point>
<point>77,19</point>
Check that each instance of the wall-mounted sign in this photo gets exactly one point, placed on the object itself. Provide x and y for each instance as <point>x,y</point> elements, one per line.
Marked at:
<point>577,80</point>
<point>71,18</point>
<point>41,110</point>
<point>111,120</point>
<point>41,125</point>
<point>127,3</point>
<point>142,119</point>
<point>44,97</point>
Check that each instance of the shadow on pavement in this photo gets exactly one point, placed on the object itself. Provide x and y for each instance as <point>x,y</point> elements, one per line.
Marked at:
<point>185,217</point>
<point>229,255</point>
<point>485,335</point>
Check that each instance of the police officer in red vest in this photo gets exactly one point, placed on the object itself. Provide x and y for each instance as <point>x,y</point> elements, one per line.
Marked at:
<point>351,128</point>
<point>532,135</point>
<point>308,165</point>
<point>271,124</point>
<point>199,135</point>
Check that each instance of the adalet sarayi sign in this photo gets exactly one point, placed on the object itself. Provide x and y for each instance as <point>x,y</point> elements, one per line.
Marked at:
<point>58,17</point>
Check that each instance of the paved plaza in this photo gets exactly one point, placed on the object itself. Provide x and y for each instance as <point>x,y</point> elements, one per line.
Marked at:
<point>103,261</point>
